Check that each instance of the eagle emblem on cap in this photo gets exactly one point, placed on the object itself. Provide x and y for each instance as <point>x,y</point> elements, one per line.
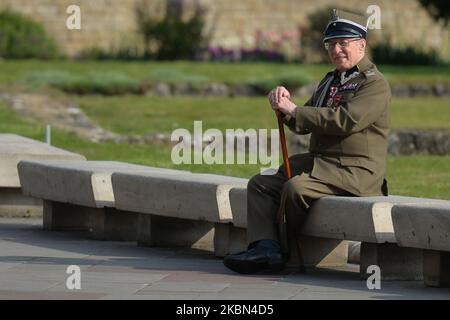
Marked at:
<point>334,15</point>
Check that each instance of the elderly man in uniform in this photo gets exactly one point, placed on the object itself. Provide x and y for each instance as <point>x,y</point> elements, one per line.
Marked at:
<point>348,118</point>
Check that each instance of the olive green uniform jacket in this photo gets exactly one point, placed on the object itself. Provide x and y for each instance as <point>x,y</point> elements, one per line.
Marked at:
<point>349,133</point>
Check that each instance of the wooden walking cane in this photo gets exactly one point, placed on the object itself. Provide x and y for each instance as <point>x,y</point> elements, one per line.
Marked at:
<point>287,167</point>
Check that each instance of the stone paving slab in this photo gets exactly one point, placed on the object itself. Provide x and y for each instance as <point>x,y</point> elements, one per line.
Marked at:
<point>4,266</point>
<point>221,276</point>
<point>122,278</point>
<point>33,265</point>
<point>181,286</point>
<point>158,296</point>
<point>30,285</point>
<point>24,295</point>
<point>101,287</point>
<point>251,291</point>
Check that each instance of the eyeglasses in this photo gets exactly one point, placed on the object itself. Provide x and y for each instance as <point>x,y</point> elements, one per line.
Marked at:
<point>342,44</point>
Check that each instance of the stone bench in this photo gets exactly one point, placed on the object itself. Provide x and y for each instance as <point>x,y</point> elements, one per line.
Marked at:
<point>78,195</point>
<point>368,220</point>
<point>13,149</point>
<point>171,207</point>
<point>152,206</point>
<point>364,219</point>
<point>426,226</point>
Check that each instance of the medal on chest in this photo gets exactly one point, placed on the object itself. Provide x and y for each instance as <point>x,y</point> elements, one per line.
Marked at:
<point>333,91</point>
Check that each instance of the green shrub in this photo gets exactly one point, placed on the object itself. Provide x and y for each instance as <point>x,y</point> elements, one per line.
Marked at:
<point>54,78</point>
<point>173,36</point>
<point>124,54</point>
<point>21,37</point>
<point>106,83</point>
<point>387,54</point>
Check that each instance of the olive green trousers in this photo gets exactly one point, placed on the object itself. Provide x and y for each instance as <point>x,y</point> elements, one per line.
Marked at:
<point>277,207</point>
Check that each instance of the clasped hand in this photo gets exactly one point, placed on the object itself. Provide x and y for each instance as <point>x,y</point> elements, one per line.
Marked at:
<point>280,99</point>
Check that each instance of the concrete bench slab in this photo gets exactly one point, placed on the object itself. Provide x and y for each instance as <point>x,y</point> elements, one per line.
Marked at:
<point>84,183</point>
<point>78,195</point>
<point>196,196</point>
<point>198,204</point>
<point>368,220</point>
<point>365,219</point>
<point>426,226</point>
<point>13,149</point>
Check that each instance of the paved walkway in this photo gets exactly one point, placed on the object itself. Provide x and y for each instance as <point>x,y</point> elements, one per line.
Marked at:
<point>33,265</point>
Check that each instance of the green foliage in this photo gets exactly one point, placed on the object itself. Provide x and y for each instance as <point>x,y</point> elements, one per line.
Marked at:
<point>174,36</point>
<point>55,78</point>
<point>387,54</point>
<point>122,54</point>
<point>439,9</point>
<point>232,73</point>
<point>107,83</point>
<point>21,38</point>
<point>313,35</point>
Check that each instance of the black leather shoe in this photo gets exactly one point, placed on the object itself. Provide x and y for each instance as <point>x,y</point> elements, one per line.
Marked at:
<point>263,255</point>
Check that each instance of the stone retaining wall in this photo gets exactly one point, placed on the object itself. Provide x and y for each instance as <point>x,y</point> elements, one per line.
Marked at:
<point>402,142</point>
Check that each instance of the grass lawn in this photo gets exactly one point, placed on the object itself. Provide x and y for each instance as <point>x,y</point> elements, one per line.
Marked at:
<point>421,176</point>
<point>143,115</point>
<point>14,71</point>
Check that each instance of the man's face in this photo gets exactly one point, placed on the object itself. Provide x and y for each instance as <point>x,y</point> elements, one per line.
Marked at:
<point>345,53</point>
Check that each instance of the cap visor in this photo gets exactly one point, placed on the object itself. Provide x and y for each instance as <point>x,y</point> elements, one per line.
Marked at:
<point>340,34</point>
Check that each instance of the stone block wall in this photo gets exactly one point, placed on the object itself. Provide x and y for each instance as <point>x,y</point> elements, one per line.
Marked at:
<point>112,23</point>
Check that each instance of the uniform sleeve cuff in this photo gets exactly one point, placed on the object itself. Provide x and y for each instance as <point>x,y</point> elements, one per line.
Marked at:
<point>286,118</point>
<point>306,118</point>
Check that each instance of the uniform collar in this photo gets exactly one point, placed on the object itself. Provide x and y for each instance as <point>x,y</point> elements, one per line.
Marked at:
<point>363,65</point>
<point>346,75</point>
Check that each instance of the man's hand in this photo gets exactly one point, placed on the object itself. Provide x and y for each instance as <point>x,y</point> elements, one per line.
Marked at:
<point>277,94</point>
<point>286,106</point>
